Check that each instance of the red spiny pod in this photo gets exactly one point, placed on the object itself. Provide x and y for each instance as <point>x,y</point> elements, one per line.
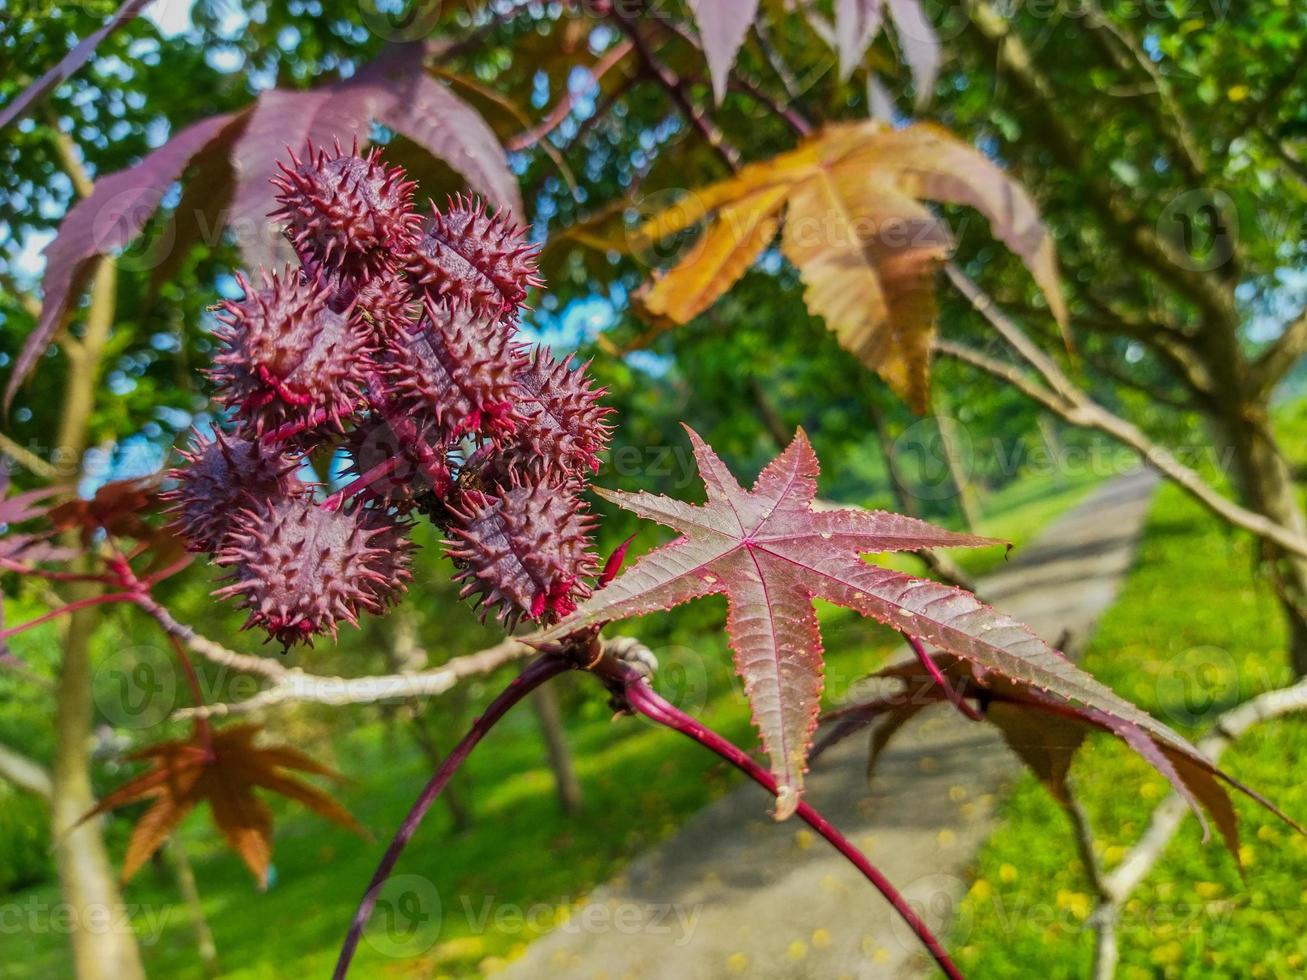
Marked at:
<point>288,355</point>
<point>300,568</point>
<point>523,552</point>
<point>564,427</point>
<point>467,258</point>
<point>221,475</point>
<point>458,369</point>
<point>417,461</point>
<point>346,211</point>
<point>387,302</point>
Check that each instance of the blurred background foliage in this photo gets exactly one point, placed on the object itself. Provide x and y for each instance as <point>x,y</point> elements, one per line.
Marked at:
<point>745,374</point>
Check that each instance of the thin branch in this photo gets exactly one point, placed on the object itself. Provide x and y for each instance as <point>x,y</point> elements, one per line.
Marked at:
<point>1280,358</point>
<point>27,459</point>
<point>25,773</point>
<point>210,650</point>
<point>677,89</point>
<point>1127,54</point>
<point>1116,887</point>
<point>69,156</point>
<point>31,305</point>
<point>563,108</point>
<point>297,686</point>
<point>641,697</point>
<point>1122,218</point>
<point>1060,395</point>
<point>536,674</point>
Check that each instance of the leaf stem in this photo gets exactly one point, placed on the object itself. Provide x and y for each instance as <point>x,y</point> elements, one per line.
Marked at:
<point>71,607</point>
<point>954,697</point>
<point>649,703</point>
<point>537,673</point>
<point>378,472</point>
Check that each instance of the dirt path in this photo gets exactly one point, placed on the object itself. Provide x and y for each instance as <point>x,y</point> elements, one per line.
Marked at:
<point>734,894</point>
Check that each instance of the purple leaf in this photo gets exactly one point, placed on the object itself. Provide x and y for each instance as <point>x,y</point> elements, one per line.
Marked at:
<point>770,554</point>
<point>1045,730</point>
<point>117,209</point>
<point>429,114</point>
<point>393,90</point>
<point>722,25</point>
<point>70,62</point>
<point>857,22</point>
<point>919,44</point>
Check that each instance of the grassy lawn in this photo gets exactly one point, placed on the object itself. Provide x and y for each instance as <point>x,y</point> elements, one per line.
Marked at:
<point>1191,634</point>
<point>463,904</point>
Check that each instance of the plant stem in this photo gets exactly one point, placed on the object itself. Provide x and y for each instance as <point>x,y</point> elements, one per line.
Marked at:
<point>649,703</point>
<point>72,607</point>
<point>536,674</point>
<point>378,472</point>
<point>932,668</point>
<point>202,728</point>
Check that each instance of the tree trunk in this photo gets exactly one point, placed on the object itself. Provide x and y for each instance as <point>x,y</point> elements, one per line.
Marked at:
<point>1261,475</point>
<point>86,878</point>
<point>545,702</point>
<point>1265,484</point>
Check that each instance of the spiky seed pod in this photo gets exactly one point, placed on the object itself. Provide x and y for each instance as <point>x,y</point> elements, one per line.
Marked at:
<point>564,427</point>
<point>467,258</point>
<point>288,355</point>
<point>346,211</point>
<point>300,569</point>
<point>219,476</point>
<point>523,552</point>
<point>420,467</point>
<point>387,302</point>
<point>457,368</point>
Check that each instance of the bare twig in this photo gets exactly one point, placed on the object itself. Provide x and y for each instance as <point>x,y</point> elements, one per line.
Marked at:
<point>1059,394</point>
<point>677,89</point>
<point>292,685</point>
<point>1116,887</point>
<point>297,686</point>
<point>563,108</point>
<point>25,773</point>
<point>27,459</point>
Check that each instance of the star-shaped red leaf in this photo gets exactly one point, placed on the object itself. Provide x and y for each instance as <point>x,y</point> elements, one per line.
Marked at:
<point>771,554</point>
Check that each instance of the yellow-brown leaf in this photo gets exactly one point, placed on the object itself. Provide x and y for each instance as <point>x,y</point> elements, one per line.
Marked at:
<point>867,250</point>
<point>724,253</point>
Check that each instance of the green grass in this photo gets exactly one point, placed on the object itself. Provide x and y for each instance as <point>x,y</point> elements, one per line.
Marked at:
<point>1192,634</point>
<point>520,859</point>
